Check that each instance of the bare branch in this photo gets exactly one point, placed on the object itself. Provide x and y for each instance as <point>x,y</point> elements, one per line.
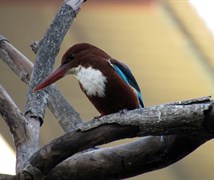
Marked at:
<point>165,120</point>
<point>191,110</point>
<point>49,46</point>
<point>7,177</point>
<point>67,116</point>
<point>48,49</point>
<point>15,60</point>
<point>19,128</point>
<point>138,157</point>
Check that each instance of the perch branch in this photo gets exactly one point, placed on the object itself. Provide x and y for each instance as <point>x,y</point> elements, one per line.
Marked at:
<point>180,116</point>
<point>159,120</point>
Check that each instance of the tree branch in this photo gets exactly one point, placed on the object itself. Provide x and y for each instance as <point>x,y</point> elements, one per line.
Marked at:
<point>159,120</point>
<point>48,49</point>
<point>19,128</point>
<point>17,62</point>
<point>124,161</point>
<point>185,115</point>
<point>138,157</point>
<point>7,177</point>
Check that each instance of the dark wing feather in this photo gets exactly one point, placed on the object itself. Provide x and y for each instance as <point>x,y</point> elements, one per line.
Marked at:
<point>125,73</point>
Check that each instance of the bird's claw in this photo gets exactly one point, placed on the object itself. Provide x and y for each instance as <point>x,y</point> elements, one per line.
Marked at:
<point>98,117</point>
<point>123,111</point>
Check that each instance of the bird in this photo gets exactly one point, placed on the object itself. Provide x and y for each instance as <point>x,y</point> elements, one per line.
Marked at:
<point>108,83</point>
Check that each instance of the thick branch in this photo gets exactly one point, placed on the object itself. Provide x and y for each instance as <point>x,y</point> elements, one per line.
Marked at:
<point>165,120</point>
<point>186,115</point>
<point>141,156</point>
<point>48,49</point>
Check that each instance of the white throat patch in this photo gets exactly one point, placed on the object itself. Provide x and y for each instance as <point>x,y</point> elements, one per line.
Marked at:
<point>92,81</point>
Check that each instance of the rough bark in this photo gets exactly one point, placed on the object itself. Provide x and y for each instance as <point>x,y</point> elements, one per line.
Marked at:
<point>7,177</point>
<point>165,120</point>
<point>181,113</point>
<point>21,131</point>
<point>167,149</point>
<point>48,49</point>
<point>45,57</point>
<point>128,160</point>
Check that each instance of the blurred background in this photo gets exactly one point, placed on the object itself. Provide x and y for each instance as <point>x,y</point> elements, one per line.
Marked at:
<point>167,44</point>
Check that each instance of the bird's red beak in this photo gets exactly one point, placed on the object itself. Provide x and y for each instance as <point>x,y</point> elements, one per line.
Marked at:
<point>53,77</point>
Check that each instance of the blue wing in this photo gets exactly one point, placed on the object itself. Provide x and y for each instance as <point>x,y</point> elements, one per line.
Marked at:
<point>126,74</point>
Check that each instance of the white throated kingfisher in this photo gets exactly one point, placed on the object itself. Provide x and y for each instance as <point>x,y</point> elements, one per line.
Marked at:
<point>108,83</point>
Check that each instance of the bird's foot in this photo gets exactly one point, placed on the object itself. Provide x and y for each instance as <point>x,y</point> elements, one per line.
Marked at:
<point>123,111</point>
<point>98,117</point>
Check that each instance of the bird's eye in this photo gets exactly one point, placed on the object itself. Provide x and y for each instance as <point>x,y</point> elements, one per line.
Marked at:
<point>71,56</point>
<point>66,61</point>
<point>68,58</point>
